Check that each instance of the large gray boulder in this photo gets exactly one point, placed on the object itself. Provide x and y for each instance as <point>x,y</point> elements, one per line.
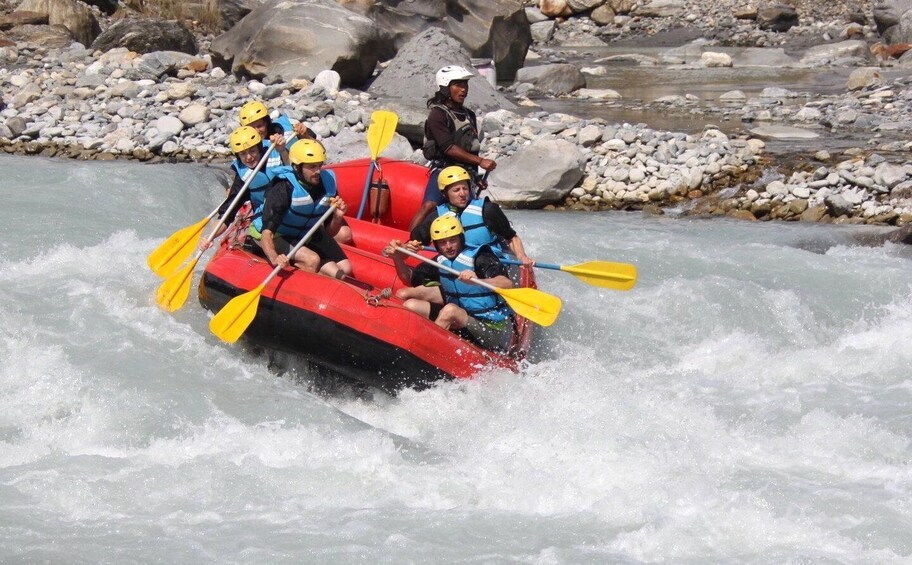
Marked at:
<point>9,21</point>
<point>157,64</point>
<point>75,16</point>
<point>350,144</point>
<point>580,6</point>
<point>47,36</point>
<point>492,28</point>
<point>410,75</point>
<point>294,39</point>
<point>411,116</point>
<point>661,9</point>
<point>495,29</point>
<point>146,36</point>
<point>829,52</point>
<point>888,13</point>
<point>407,82</point>
<point>541,173</point>
<point>555,78</point>
<point>902,33</point>
<point>400,21</point>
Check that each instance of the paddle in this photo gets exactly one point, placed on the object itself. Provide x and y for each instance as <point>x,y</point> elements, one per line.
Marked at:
<point>173,292</point>
<point>236,316</point>
<point>618,276</point>
<point>379,134</point>
<point>539,307</point>
<point>168,256</point>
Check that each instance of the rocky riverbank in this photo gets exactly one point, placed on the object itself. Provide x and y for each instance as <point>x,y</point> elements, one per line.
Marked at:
<point>65,100</point>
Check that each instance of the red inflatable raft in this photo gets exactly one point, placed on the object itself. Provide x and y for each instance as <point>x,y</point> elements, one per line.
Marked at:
<point>359,330</point>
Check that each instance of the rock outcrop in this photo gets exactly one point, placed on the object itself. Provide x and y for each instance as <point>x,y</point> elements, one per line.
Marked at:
<point>296,39</point>
<point>75,16</point>
<point>146,36</point>
<point>541,173</point>
<point>408,81</point>
<point>495,29</point>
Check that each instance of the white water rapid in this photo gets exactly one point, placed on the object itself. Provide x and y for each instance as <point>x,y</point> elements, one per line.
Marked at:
<point>748,401</point>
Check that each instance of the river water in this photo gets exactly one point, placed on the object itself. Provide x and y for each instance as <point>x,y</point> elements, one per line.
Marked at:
<point>753,71</point>
<point>747,401</point>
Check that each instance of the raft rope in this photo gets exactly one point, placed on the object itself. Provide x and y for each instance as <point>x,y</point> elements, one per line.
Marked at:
<point>374,297</point>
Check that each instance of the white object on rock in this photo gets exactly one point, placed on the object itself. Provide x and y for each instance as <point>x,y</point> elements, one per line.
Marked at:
<point>329,81</point>
<point>711,59</point>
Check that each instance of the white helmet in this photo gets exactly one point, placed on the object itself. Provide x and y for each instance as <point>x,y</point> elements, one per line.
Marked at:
<point>449,73</point>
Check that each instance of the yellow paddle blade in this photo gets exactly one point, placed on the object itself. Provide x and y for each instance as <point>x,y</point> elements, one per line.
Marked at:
<point>535,305</point>
<point>617,276</point>
<point>168,256</point>
<point>234,318</point>
<point>173,292</point>
<point>380,132</point>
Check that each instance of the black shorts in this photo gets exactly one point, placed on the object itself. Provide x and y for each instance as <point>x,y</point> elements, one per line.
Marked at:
<point>435,311</point>
<point>321,244</point>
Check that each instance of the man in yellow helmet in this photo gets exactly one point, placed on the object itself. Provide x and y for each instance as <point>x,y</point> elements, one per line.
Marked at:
<point>298,196</point>
<point>247,146</point>
<point>279,134</point>
<point>450,301</point>
<point>483,220</point>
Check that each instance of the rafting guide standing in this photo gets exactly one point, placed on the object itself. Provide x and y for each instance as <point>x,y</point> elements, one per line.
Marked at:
<point>451,134</point>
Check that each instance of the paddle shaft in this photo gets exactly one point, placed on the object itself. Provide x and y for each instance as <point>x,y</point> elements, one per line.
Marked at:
<point>617,276</point>
<point>300,243</point>
<point>237,197</point>
<point>537,264</point>
<point>445,268</point>
<point>530,303</point>
<point>482,183</point>
<point>367,183</point>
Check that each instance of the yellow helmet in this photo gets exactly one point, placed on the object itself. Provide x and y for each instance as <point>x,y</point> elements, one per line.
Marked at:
<point>243,138</point>
<point>447,225</point>
<point>451,174</point>
<point>252,111</point>
<point>307,151</point>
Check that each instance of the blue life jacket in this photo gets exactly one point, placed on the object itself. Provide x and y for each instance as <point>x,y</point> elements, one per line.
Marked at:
<point>472,220</point>
<point>304,212</point>
<point>478,301</point>
<point>275,160</point>
<point>263,178</point>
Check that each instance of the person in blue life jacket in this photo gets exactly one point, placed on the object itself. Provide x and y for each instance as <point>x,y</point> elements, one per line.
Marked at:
<point>279,134</point>
<point>298,196</point>
<point>247,146</point>
<point>483,220</point>
<point>450,301</point>
<point>451,135</point>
